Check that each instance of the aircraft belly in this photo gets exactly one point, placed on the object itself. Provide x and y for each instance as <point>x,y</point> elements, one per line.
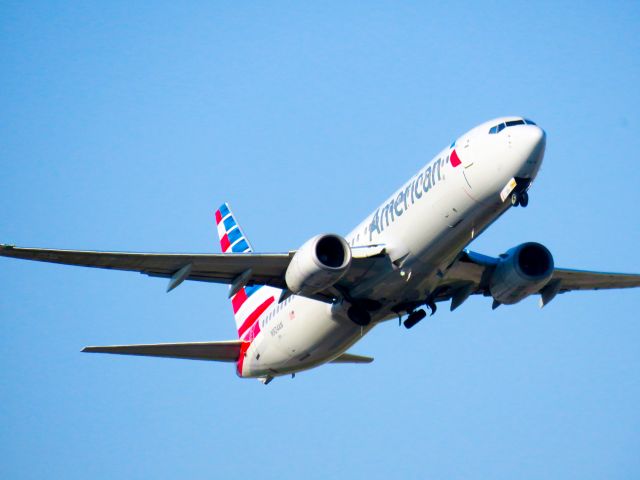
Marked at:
<point>317,337</point>
<point>446,225</point>
<point>310,337</point>
<point>265,357</point>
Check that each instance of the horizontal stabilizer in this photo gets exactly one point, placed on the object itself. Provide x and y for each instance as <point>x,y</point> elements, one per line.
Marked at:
<point>226,351</point>
<point>351,358</point>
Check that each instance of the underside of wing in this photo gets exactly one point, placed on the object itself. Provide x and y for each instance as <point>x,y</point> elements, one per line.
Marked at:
<point>471,274</point>
<point>587,280</point>
<point>477,269</point>
<point>251,268</point>
<point>225,351</point>
<point>217,268</point>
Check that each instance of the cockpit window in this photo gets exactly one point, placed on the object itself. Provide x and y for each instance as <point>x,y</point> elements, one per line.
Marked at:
<point>529,122</point>
<point>511,123</point>
<point>497,128</point>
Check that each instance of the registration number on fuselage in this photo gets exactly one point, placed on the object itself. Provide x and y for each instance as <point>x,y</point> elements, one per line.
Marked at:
<point>276,329</point>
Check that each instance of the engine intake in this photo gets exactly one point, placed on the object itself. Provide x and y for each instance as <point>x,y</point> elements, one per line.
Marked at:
<point>521,272</point>
<point>318,264</point>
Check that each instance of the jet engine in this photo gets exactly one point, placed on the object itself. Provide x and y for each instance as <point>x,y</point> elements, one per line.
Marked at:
<point>522,271</point>
<point>318,264</point>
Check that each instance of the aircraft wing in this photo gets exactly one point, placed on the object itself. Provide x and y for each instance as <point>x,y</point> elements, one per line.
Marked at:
<point>265,268</point>
<point>472,271</point>
<point>226,351</point>
<point>587,280</point>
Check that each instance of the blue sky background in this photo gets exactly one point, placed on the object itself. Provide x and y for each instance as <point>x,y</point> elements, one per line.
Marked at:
<point>124,125</point>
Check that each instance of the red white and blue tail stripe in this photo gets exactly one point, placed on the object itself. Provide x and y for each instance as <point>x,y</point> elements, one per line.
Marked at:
<point>250,303</point>
<point>232,238</point>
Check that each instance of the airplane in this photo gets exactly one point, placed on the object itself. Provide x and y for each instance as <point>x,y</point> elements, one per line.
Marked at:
<point>304,308</point>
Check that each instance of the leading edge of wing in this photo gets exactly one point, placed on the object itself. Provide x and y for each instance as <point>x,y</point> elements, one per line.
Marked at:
<point>223,351</point>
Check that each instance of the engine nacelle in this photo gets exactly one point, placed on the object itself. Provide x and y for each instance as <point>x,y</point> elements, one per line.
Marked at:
<point>318,264</point>
<point>521,272</point>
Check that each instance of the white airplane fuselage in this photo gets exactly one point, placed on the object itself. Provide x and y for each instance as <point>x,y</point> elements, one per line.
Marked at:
<point>423,226</point>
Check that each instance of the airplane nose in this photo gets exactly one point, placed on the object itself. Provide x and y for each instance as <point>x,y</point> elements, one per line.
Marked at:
<point>527,144</point>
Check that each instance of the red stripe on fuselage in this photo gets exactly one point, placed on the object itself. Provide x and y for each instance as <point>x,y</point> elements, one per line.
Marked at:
<point>253,332</point>
<point>243,350</point>
<point>455,160</point>
<point>254,315</point>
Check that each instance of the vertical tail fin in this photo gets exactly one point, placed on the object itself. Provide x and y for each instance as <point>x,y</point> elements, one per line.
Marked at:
<point>250,302</point>
<point>232,238</point>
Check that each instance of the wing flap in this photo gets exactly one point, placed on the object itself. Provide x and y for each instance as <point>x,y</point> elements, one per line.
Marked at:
<point>225,351</point>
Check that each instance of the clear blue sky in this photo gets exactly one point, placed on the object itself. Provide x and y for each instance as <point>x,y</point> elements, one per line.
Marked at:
<point>125,124</point>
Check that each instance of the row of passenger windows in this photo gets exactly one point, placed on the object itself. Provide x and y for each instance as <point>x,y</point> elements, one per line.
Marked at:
<point>511,123</point>
<point>277,308</point>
